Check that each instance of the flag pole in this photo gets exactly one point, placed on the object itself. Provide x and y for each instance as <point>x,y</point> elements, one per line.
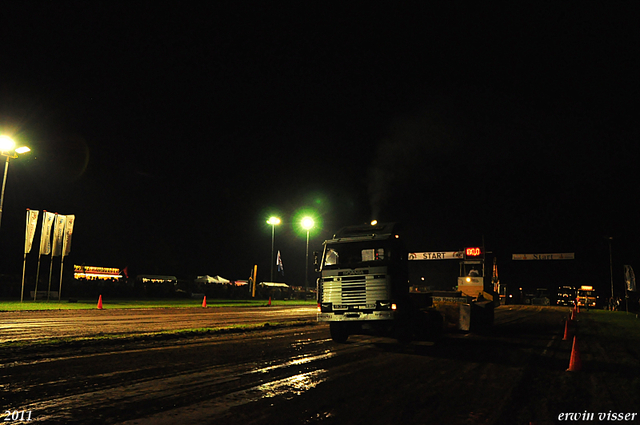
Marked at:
<point>35,293</point>
<point>32,222</point>
<point>26,237</point>
<point>50,273</point>
<point>56,249</point>
<point>61,270</point>
<point>24,266</point>
<point>66,246</point>
<point>42,236</point>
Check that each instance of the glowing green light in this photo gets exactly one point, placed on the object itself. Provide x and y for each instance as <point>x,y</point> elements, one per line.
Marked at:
<point>307,223</point>
<point>306,220</point>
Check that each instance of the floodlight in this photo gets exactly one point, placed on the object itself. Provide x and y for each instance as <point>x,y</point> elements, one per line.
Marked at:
<point>6,144</point>
<point>274,221</point>
<point>307,223</point>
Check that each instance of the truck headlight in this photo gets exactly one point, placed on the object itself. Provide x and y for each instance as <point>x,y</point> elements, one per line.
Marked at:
<point>324,307</point>
<point>384,305</point>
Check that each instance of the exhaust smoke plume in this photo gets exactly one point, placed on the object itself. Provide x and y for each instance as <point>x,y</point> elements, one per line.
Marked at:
<point>406,155</point>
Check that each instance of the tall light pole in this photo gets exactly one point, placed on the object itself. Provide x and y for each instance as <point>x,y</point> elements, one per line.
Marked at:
<point>611,267</point>
<point>273,221</point>
<point>307,224</point>
<point>8,149</point>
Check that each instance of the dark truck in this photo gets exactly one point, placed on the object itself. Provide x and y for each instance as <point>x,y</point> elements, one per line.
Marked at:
<point>363,287</point>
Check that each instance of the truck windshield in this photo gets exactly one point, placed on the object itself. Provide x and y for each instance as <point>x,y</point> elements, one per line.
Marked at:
<point>354,254</point>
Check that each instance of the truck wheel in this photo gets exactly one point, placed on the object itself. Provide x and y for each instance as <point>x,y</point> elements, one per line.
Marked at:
<point>339,332</point>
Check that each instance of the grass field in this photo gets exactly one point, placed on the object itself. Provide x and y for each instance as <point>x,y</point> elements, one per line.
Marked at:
<point>618,331</point>
<point>107,303</point>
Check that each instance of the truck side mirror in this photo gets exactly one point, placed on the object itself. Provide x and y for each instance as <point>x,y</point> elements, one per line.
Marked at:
<point>315,261</point>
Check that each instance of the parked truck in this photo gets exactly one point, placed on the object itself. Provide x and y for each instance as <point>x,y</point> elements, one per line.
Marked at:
<point>363,287</point>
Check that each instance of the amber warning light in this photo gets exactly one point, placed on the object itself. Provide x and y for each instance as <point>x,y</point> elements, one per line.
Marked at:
<point>472,252</point>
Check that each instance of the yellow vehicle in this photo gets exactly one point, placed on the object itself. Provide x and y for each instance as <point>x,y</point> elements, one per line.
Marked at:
<point>586,296</point>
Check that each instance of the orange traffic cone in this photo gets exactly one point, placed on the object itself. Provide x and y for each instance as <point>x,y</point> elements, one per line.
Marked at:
<point>574,363</point>
<point>100,303</point>
<point>269,302</point>
<point>567,333</point>
<point>204,302</point>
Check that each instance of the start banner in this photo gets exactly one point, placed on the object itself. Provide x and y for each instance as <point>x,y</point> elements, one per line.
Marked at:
<point>558,256</point>
<point>437,255</point>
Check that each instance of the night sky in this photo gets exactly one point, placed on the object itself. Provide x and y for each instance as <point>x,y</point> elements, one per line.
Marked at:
<point>172,130</point>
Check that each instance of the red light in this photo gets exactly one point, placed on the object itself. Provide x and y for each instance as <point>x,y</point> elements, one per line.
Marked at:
<point>473,252</point>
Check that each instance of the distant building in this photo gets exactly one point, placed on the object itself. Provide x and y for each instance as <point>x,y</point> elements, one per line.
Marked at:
<point>83,272</point>
<point>152,278</point>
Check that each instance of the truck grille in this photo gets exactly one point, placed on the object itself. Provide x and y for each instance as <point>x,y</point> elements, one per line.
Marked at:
<point>354,290</point>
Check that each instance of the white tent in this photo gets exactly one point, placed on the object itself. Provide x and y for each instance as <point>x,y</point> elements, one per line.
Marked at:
<point>274,284</point>
<point>211,279</point>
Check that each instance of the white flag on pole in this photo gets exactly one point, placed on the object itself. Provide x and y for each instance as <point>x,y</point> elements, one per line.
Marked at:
<point>279,263</point>
<point>630,278</point>
<point>32,223</point>
<point>45,235</point>
<point>68,231</point>
<point>58,232</point>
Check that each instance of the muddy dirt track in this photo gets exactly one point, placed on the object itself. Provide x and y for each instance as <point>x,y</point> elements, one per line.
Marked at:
<point>516,374</point>
<point>35,325</point>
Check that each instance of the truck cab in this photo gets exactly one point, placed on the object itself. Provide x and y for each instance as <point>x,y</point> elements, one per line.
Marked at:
<point>586,296</point>
<point>363,284</point>
<point>566,296</point>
